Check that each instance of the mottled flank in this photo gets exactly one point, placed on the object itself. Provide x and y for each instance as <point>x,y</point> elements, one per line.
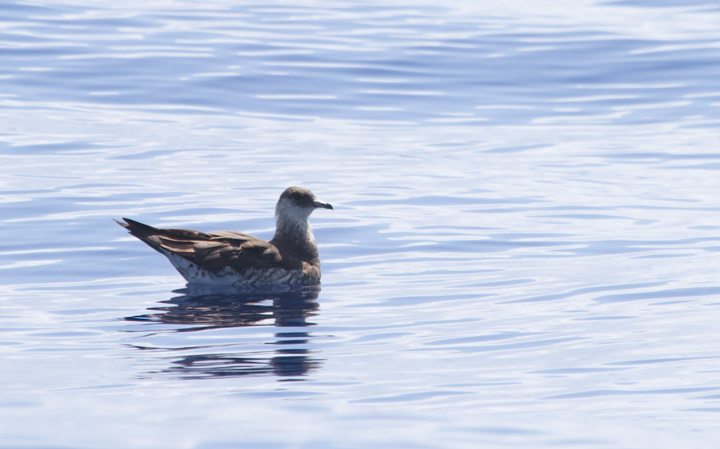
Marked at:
<point>237,259</point>
<point>227,275</point>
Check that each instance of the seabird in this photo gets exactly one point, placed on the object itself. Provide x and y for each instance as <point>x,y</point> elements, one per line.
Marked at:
<point>234,258</point>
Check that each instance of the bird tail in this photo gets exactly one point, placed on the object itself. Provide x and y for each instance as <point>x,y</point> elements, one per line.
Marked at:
<point>139,230</point>
<point>142,231</point>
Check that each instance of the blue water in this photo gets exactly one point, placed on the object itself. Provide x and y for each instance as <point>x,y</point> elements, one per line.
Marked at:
<point>523,252</point>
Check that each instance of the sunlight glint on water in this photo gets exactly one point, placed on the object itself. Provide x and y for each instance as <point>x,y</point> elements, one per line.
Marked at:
<point>523,251</point>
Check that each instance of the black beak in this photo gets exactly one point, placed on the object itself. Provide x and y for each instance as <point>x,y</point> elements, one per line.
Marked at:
<point>320,204</point>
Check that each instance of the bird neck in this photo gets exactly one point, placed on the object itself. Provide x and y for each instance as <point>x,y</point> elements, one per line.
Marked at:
<point>294,232</point>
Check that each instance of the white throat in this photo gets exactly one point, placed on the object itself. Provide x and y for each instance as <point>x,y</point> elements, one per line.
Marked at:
<point>292,221</point>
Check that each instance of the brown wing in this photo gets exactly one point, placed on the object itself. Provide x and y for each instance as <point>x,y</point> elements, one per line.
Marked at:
<point>212,251</point>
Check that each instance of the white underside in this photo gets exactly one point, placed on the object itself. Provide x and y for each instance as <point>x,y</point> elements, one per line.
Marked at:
<point>227,276</point>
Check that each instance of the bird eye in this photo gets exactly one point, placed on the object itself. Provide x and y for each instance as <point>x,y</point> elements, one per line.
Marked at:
<point>297,196</point>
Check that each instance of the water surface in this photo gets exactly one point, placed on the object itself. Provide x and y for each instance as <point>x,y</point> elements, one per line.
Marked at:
<point>523,252</point>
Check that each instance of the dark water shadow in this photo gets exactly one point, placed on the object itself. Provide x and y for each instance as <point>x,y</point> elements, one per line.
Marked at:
<point>197,311</point>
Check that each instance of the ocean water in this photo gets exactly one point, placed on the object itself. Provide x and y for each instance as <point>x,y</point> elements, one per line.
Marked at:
<point>523,253</point>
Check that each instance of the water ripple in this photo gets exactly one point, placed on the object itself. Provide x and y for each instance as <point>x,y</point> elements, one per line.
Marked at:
<point>525,209</point>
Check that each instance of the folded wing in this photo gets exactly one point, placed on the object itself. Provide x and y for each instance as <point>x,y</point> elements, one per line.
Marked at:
<point>212,251</point>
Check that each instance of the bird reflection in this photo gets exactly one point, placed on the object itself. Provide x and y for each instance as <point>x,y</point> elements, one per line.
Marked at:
<point>291,358</point>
